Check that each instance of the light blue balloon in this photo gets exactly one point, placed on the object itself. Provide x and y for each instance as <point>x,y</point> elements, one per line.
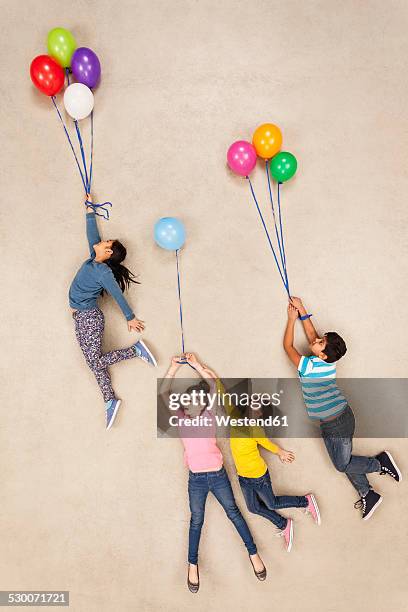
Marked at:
<point>169,233</point>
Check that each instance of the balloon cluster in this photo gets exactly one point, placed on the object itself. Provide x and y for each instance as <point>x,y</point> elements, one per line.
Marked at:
<point>281,166</point>
<point>266,144</point>
<point>48,73</point>
<point>64,58</point>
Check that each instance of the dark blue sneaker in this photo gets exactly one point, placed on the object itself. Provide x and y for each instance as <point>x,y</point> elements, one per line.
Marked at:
<point>389,466</point>
<point>112,408</point>
<point>144,353</point>
<point>368,504</point>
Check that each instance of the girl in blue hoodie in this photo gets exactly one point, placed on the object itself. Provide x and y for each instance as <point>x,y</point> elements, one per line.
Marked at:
<point>103,271</point>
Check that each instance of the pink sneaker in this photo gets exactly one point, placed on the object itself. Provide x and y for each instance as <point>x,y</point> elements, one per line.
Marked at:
<point>313,508</point>
<point>288,535</point>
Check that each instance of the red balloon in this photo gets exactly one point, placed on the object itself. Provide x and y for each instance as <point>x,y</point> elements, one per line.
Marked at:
<point>47,75</point>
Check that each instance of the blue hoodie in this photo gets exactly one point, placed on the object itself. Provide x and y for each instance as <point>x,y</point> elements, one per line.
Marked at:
<point>93,277</point>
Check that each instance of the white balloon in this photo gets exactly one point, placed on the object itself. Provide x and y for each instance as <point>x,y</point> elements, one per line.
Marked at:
<point>78,100</point>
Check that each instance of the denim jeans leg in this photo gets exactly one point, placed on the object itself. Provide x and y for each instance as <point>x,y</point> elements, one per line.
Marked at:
<point>257,506</point>
<point>197,492</point>
<point>363,465</point>
<point>277,502</point>
<point>339,450</point>
<point>222,490</point>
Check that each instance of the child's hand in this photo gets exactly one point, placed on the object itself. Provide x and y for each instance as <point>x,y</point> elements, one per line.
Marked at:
<point>292,312</point>
<point>297,302</point>
<point>136,325</point>
<point>175,364</point>
<point>286,456</point>
<point>191,358</point>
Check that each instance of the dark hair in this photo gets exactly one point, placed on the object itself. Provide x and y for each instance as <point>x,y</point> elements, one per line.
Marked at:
<point>335,347</point>
<point>122,275</point>
<point>202,386</point>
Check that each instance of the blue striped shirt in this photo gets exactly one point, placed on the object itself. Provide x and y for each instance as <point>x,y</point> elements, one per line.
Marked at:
<point>322,397</point>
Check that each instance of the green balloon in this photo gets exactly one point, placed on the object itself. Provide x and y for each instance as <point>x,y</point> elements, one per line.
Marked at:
<point>61,46</point>
<point>283,166</point>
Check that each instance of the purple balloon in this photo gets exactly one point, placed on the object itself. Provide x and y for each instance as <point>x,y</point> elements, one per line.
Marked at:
<point>86,67</point>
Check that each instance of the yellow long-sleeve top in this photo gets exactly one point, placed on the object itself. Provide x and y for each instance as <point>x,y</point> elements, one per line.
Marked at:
<point>245,452</point>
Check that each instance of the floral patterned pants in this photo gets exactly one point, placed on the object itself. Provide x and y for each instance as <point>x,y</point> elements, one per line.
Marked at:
<point>89,326</point>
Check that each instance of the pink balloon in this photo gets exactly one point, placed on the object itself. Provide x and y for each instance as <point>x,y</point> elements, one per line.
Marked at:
<point>241,157</point>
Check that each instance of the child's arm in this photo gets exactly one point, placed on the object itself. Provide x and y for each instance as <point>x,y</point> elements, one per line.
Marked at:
<point>168,379</point>
<point>288,338</point>
<point>109,283</point>
<point>92,232</point>
<point>203,370</point>
<point>309,328</point>
<point>284,455</point>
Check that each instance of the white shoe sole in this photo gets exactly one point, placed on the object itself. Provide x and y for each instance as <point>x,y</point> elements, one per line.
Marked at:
<point>373,509</point>
<point>391,458</point>
<point>118,403</point>
<point>289,548</point>
<point>316,507</point>
<point>149,353</point>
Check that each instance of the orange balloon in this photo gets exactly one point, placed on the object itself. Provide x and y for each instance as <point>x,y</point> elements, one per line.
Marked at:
<point>267,140</point>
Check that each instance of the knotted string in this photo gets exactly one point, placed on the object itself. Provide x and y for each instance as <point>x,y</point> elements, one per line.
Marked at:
<point>281,245</point>
<point>103,207</point>
<point>285,284</point>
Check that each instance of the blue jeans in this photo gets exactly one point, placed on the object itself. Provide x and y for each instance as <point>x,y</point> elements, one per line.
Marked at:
<point>260,499</point>
<point>338,438</point>
<point>199,485</point>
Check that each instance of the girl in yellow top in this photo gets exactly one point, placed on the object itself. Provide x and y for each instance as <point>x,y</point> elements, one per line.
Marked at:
<point>254,478</point>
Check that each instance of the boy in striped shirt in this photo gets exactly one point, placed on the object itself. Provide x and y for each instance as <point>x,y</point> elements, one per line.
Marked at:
<point>325,403</point>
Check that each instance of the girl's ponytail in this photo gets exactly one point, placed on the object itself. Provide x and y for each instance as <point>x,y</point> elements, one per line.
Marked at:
<point>122,275</point>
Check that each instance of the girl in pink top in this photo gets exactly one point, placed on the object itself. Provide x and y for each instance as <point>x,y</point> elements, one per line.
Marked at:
<point>206,472</point>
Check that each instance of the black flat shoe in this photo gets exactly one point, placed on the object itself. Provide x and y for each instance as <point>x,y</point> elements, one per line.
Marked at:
<point>260,575</point>
<point>193,586</point>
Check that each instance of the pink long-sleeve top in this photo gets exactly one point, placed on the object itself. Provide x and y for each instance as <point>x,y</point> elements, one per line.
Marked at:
<point>200,454</point>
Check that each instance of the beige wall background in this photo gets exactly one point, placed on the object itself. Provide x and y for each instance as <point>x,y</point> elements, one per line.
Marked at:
<point>104,514</point>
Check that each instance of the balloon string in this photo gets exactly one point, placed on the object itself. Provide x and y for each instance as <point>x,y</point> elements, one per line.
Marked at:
<point>268,237</point>
<point>81,146</point>
<point>69,140</point>
<point>181,310</point>
<point>91,157</point>
<point>180,304</point>
<point>67,75</point>
<point>279,239</point>
<point>281,233</point>
<point>104,206</point>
